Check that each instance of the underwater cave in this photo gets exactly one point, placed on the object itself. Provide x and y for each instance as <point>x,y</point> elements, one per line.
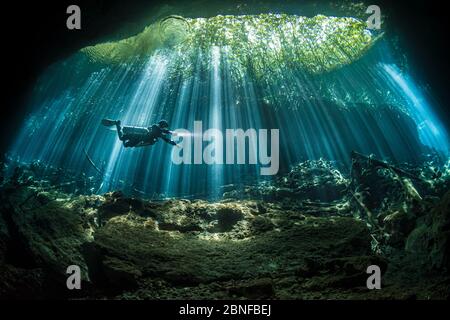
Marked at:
<point>362,172</point>
<point>329,84</point>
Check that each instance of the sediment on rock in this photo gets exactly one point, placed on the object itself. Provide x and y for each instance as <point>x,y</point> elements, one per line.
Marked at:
<point>128,247</point>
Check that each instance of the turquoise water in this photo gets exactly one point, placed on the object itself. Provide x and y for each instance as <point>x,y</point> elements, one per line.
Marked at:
<point>369,105</point>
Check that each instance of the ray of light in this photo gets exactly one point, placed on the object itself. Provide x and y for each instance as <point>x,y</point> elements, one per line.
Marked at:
<point>368,106</point>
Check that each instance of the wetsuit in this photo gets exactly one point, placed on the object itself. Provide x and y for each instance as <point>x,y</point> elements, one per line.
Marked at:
<point>141,136</point>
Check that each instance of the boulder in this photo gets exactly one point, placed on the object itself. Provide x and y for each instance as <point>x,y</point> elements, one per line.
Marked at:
<point>253,289</point>
<point>261,224</point>
<point>227,217</point>
<point>46,234</point>
<point>429,242</point>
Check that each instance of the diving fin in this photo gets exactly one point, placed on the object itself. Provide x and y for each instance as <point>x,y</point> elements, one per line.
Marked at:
<point>108,122</point>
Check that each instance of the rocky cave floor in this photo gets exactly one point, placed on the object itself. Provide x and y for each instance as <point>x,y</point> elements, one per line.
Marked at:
<point>272,243</point>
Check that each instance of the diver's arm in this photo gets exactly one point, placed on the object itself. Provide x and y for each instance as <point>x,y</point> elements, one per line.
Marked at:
<point>169,141</point>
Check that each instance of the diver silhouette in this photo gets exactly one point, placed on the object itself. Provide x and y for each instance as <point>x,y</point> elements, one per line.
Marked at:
<point>141,136</point>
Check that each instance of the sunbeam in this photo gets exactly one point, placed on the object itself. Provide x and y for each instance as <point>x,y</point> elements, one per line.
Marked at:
<point>288,74</point>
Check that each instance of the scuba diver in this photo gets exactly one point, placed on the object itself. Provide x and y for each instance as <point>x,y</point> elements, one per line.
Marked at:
<point>141,136</point>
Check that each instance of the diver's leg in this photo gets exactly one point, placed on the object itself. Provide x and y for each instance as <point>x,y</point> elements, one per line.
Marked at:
<point>131,143</point>
<point>108,122</point>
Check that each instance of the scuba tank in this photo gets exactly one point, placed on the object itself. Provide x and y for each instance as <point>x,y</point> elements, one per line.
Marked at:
<point>130,130</point>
